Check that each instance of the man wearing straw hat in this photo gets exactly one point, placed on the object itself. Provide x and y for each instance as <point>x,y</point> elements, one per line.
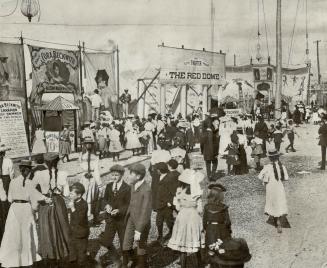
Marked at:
<point>6,174</point>
<point>64,143</point>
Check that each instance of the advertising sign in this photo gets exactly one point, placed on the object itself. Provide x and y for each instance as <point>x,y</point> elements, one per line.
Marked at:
<point>52,141</point>
<point>12,128</point>
<point>189,66</point>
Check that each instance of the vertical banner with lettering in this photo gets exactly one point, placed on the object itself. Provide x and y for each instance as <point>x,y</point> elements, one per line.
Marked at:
<point>54,70</point>
<point>12,75</point>
<point>101,75</point>
<point>12,128</point>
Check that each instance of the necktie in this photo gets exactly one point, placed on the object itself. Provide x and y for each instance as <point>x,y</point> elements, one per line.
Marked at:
<point>115,189</point>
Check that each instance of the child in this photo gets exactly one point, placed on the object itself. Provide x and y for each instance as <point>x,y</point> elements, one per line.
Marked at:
<point>216,221</point>
<point>116,200</point>
<point>233,159</point>
<point>187,236</point>
<point>242,168</point>
<point>138,217</point>
<point>290,131</point>
<point>271,131</point>
<point>164,201</point>
<point>115,145</point>
<point>278,137</point>
<point>257,150</point>
<point>272,176</point>
<point>79,225</point>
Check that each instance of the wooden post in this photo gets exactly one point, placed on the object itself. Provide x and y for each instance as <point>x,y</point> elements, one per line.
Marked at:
<point>118,85</point>
<point>162,99</point>
<point>279,60</point>
<point>75,129</point>
<point>204,100</point>
<point>318,61</point>
<point>81,67</point>
<point>26,98</point>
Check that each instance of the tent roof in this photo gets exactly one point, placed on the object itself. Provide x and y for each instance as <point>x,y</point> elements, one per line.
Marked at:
<point>59,104</point>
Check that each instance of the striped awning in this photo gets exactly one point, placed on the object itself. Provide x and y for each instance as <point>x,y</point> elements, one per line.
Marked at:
<point>59,104</point>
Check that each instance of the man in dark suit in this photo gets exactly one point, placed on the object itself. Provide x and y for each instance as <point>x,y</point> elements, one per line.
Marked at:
<point>79,225</point>
<point>323,141</point>
<point>116,200</point>
<point>138,217</point>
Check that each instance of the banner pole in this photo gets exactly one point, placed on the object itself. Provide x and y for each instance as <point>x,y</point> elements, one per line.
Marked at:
<point>26,98</point>
<point>81,67</point>
<point>118,85</point>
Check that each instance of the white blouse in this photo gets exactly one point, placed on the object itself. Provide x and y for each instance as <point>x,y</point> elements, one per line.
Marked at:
<point>8,167</point>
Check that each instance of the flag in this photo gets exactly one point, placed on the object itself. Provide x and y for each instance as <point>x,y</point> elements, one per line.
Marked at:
<point>12,86</point>
<point>101,75</point>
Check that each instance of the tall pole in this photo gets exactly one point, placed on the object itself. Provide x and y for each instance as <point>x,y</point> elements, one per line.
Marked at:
<point>118,86</point>
<point>318,61</point>
<point>279,60</point>
<point>26,98</point>
<point>212,17</point>
<point>81,67</point>
<point>234,60</point>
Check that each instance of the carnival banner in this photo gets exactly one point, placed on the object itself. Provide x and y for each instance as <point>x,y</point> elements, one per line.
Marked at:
<point>100,74</point>
<point>54,70</point>
<point>189,66</point>
<point>12,75</point>
<point>12,128</point>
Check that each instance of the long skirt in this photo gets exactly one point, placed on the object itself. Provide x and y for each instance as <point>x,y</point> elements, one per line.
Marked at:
<point>64,147</point>
<point>242,168</point>
<point>39,147</point>
<point>187,232</point>
<point>103,144</point>
<point>19,245</point>
<point>4,205</point>
<point>133,141</point>
<point>91,195</point>
<point>54,229</point>
<point>115,147</point>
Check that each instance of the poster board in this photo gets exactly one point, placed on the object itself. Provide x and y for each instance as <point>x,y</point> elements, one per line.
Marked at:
<point>190,66</point>
<point>233,112</point>
<point>52,141</point>
<point>12,128</point>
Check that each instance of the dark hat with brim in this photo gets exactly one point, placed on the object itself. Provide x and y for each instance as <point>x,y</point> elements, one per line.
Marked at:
<point>236,252</point>
<point>117,168</point>
<point>26,163</point>
<point>4,147</point>
<point>217,186</point>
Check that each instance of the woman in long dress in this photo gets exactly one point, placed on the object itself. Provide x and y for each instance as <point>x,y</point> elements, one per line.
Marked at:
<point>65,143</point>
<point>54,231</point>
<point>39,146</point>
<point>102,137</point>
<point>273,175</point>
<point>19,246</point>
<point>131,135</point>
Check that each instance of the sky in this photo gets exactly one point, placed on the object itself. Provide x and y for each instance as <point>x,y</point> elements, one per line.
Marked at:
<point>138,26</point>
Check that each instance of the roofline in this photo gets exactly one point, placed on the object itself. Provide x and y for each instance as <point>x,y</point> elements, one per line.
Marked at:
<point>193,49</point>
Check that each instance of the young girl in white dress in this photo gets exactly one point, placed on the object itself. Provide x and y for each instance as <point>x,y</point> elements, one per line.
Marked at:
<point>188,236</point>
<point>272,176</point>
<point>39,146</point>
<point>131,135</point>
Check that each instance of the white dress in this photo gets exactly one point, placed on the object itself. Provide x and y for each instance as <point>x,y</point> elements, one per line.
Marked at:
<point>276,204</point>
<point>131,135</point>
<point>39,143</point>
<point>19,244</point>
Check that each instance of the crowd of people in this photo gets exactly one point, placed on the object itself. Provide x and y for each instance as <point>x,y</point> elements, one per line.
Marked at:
<point>45,219</point>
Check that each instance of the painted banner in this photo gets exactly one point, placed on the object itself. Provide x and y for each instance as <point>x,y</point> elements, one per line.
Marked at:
<point>52,141</point>
<point>12,75</point>
<point>189,66</point>
<point>54,70</point>
<point>12,128</point>
<point>100,74</point>
<point>232,112</point>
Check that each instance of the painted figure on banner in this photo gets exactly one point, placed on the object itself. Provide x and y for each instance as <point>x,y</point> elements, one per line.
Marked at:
<point>125,99</point>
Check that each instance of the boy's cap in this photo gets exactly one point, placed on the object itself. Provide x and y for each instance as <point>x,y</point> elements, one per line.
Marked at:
<point>138,169</point>
<point>117,168</point>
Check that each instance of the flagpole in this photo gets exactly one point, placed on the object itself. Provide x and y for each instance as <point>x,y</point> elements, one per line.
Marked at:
<point>118,86</point>
<point>81,67</point>
<point>279,58</point>
<point>26,98</point>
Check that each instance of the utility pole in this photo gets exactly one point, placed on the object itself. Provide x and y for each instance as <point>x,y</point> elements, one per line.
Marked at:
<point>279,60</point>
<point>318,61</point>
<point>212,17</point>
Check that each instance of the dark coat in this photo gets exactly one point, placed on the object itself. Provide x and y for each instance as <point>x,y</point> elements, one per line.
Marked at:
<point>154,184</point>
<point>262,129</point>
<point>221,229</point>
<point>166,189</point>
<point>297,117</point>
<point>119,201</point>
<point>323,135</point>
<point>210,144</point>
<point>79,221</point>
<point>139,210</point>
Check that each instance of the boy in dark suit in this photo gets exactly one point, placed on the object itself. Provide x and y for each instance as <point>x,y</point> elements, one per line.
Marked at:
<point>79,225</point>
<point>138,217</point>
<point>116,200</point>
<point>323,140</point>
